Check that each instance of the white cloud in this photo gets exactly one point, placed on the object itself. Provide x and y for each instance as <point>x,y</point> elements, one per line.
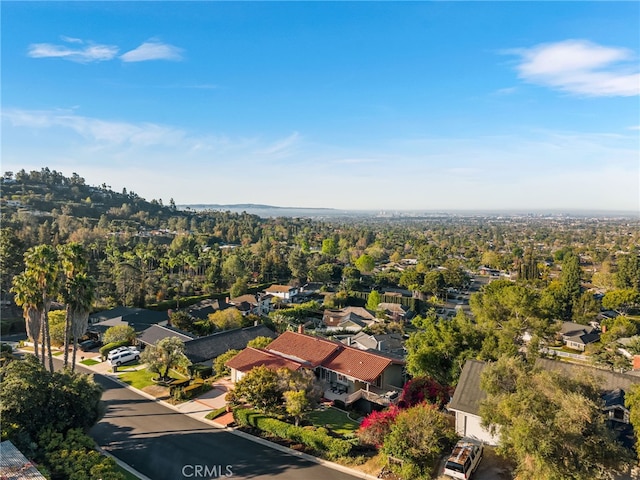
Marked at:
<point>634,127</point>
<point>532,169</point>
<point>581,67</point>
<point>85,54</point>
<point>282,147</point>
<point>152,50</point>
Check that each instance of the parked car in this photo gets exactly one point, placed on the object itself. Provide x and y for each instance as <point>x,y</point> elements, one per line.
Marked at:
<point>464,459</point>
<point>116,351</point>
<point>125,356</point>
<point>90,344</point>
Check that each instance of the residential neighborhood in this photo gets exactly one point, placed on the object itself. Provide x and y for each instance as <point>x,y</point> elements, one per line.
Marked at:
<point>343,357</point>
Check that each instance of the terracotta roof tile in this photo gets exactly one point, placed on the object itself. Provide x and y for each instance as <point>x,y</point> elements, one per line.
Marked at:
<point>303,347</point>
<point>252,357</point>
<point>358,364</point>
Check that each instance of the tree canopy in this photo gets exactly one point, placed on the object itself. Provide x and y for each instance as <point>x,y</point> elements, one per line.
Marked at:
<point>550,425</point>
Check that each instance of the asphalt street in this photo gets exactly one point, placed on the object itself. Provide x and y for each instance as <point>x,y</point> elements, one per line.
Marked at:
<point>166,445</point>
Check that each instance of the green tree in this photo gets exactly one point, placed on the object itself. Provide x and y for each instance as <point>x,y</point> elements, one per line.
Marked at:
<point>365,263</point>
<point>440,348</point>
<point>164,354</point>
<point>621,300</point>
<point>239,287</point>
<point>585,309</point>
<point>550,425</point>
<point>632,402</point>
<point>259,342</point>
<point>82,291</point>
<point>119,333</point>
<point>434,283</point>
<point>182,320</point>
<point>619,327</point>
<point>373,300</point>
<point>628,274</point>
<point>57,327</point>
<point>41,263</point>
<point>74,261</point>
<point>32,399</point>
<point>26,295</point>
<point>226,319</point>
<point>296,404</point>
<point>329,247</point>
<point>219,363</point>
<point>260,388</point>
<point>418,437</point>
<point>570,279</point>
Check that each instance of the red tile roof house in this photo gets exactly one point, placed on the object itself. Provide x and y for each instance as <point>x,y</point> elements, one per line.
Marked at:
<point>349,375</point>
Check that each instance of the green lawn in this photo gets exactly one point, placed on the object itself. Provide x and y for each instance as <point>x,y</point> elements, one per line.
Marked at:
<point>139,378</point>
<point>142,378</point>
<point>333,419</point>
<point>89,362</point>
<point>55,354</point>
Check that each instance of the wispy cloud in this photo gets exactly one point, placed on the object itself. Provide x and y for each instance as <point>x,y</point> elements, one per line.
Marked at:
<point>282,147</point>
<point>580,67</point>
<point>152,50</point>
<point>78,52</point>
<point>82,51</point>
<point>634,127</point>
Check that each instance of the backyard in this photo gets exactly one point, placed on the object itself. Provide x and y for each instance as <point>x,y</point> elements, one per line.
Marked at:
<point>333,419</point>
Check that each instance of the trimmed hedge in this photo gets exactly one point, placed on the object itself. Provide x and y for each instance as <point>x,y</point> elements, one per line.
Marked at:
<point>104,350</point>
<point>315,439</point>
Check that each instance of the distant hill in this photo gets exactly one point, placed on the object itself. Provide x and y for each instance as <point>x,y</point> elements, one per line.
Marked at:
<point>235,206</point>
<point>267,210</point>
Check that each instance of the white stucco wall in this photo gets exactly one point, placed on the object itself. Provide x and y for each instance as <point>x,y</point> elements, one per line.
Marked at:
<point>470,426</point>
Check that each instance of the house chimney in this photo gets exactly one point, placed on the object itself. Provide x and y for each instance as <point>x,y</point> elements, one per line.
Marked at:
<point>604,329</point>
<point>301,329</point>
<point>226,300</point>
<point>636,362</point>
<point>255,323</point>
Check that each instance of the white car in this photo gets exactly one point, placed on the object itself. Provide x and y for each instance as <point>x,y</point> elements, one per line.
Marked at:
<point>116,351</point>
<point>125,356</point>
<point>464,459</point>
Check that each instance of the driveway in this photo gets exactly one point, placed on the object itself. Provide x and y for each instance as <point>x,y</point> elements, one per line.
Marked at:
<point>215,398</point>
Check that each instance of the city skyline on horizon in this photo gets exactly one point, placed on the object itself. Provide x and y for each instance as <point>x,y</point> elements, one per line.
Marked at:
<point>351,106</point>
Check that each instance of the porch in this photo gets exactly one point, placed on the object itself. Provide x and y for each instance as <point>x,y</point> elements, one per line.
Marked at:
<point>380,396</point>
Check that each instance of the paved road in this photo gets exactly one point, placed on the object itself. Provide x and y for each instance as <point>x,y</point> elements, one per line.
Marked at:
<point>166,445</point>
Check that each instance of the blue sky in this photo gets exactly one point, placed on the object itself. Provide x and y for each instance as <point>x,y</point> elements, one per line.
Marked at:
<point>350,105</point>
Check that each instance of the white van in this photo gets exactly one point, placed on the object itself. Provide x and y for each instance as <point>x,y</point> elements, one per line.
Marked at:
<point>464,459</point>
<point>124,356</point>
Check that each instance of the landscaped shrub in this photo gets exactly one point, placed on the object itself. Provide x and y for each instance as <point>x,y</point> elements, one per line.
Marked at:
<point>201,371</point>
<point>316,439</point>
<point>377,425</point>
<point>422,389</point>
<point>195,389</point>
<point>104,350</point>
<point>216,413</point>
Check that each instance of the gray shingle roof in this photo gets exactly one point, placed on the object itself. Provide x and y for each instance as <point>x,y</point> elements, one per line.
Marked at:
<point>468,394</point>
<point>203,349</point>
<point>156,332</point>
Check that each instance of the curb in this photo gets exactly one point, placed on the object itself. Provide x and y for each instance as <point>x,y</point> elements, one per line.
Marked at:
<point>123,465</point>
<point>246,436</point>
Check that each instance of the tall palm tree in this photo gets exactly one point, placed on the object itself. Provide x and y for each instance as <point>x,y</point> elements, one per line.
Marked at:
<point>42,264</point>
<point>27,296</point>
<point>81,290</point>
<point>74,260</point>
